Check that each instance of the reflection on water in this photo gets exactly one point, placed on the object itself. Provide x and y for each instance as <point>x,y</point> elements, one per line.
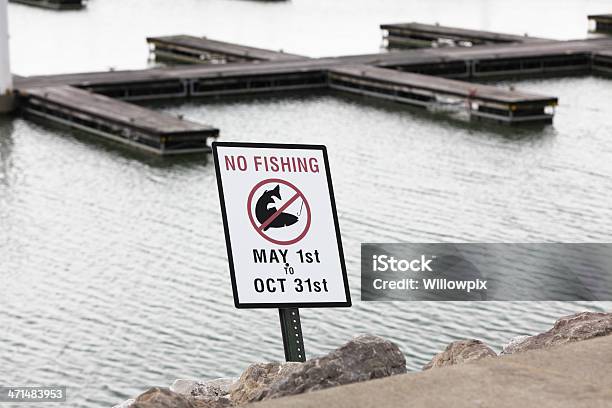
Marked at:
<point>113,264</point>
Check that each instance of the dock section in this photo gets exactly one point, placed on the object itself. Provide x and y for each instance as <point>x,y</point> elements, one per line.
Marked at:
<point>507,60</point>
<point>603,22</point>
<point>479,101</point>
<point>602,62</point>
<point>501,60</point>
<point>415,35</point>
<point>201,50</point>
<point>195,80</point>
<point>53,4</point>
<point>421,77</point>
<point>116,120</point>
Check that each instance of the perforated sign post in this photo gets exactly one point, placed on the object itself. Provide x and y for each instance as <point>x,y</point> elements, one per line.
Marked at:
<point>281,231</point>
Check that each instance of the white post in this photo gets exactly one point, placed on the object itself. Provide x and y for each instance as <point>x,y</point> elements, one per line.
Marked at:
<point>6,79</point>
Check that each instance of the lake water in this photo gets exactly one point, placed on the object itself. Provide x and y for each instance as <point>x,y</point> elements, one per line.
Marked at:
<point>113,267</point>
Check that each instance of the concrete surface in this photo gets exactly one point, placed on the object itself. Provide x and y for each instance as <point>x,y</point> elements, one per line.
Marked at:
<point>572,375</point>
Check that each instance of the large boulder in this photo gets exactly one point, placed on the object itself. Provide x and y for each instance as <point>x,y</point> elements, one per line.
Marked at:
<point>568,329</point>
<point>258,378</point>
<point>514,342</point>
<point>460,351</point>
<point>363,358</point>
<point>161,398</point>
<point>212,393</point>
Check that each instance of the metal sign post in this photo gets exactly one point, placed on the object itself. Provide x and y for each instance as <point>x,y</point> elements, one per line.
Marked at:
<point>291,329</point>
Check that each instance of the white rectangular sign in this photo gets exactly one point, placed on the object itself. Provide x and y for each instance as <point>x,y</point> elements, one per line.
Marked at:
<point>281,227</point>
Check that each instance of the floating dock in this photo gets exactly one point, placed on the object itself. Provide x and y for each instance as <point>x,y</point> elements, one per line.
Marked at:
<point>603,22</point>
<point>415,35</point>
<point>194,81</point>
<point>419,77</point>
<point>350,74</point>
<point>201,50</point>
<point>480,101</point>
<point>501,60</point>
<point>116,120</point>
<point>602,62</point>
<point>53,4</point>
<point>506,60</point>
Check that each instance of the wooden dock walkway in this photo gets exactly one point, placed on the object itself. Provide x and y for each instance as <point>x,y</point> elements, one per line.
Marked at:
<point>53,4</point>
<point>603,22</point>
<point>501,60</point>
<point>420,77</point>
<point>116,120</point>
<point>481,101</point>
<point>476,62</point>
<point>415,35</point>
<point>202,50</point>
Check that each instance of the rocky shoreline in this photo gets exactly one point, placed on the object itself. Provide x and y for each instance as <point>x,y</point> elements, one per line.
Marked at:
<point>363,358</point>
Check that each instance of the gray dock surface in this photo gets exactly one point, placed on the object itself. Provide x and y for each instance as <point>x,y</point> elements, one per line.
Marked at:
<point>443,85</point>
<point>477,100</point>
<point>191,49</point>
<point>120,121</point>
<point>397,76</point>
<point>405,60</point>
<point>497,52</point>
<point>428,35</point>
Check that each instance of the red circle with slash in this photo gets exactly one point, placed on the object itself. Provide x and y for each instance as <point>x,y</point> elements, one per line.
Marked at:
<point>260,228</point>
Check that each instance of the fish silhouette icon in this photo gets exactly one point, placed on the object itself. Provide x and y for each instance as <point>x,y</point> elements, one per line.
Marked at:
<point>263,210</point>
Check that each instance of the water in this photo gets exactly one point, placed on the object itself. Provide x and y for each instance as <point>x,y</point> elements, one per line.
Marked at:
<point>113,267</point>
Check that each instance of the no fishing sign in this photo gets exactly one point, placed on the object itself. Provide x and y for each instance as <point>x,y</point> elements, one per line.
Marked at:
<point>281,227</point>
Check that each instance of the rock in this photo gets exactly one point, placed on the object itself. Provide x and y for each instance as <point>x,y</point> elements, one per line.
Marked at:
<point>363,358</point>
<point>184,387</point>
<point>460,351</point>
<point>512,344</point>
<point>213,393</point>
<point>125,404</point>
<point>223,402</point>
<point>162,398</point>
<point>210,389</point>
<point>568,329</point>
<point>257,378</point>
